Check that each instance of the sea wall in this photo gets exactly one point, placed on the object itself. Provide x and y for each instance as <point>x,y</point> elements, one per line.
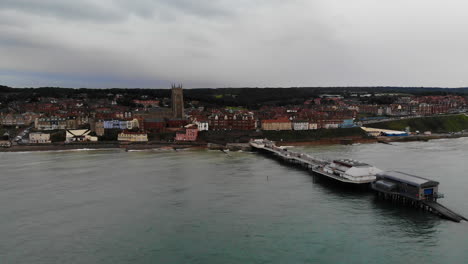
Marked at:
<point>316,135</point>
<point>224,137</point>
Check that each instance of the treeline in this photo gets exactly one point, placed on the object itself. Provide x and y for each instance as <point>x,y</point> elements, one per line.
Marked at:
<point>253,98</point>
<point>247,97</point>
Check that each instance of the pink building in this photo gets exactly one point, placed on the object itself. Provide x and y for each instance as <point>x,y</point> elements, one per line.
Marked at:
<point>190,133</point>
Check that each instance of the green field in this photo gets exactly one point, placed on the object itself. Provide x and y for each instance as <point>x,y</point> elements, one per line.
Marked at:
<point>311,135</point>
<point>438,124</point>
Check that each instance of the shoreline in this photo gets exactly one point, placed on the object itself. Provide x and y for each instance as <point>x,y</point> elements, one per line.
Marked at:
<point>99,146</point>
<point>234,146</point>
<point>360,140</point>
<point>330,141</point>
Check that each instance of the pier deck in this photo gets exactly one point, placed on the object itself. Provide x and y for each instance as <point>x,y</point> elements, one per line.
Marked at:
<point>444,211</point>
<point>311,163</point>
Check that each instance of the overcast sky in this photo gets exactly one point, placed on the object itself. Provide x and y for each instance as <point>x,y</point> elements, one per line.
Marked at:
<point>233,43</point>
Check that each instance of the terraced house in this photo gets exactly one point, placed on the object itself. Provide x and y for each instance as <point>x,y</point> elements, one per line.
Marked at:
<point>50,123</point>
<point>11,119</point>
<point>282,123</point>
<point>133,136</point>
<point>232,121</point>
<point>39,138</point>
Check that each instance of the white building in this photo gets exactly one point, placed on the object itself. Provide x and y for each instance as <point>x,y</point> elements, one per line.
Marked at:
<point>330,125</point>
<point>50,123</point>
<point>133,136</point>
<point>39,138</point>
<point>79,135</point>
<point>313,126</point>
<point>202,125</point>
<point>121,124</point>
<point>300,125</point>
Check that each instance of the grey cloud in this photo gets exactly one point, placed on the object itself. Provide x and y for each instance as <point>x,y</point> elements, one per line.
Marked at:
<point>14,39</point>
<point>64,9</point>
<point>201,7</point>
<point>11,22</point>
<point>237,42</point>
<point>117,10</point>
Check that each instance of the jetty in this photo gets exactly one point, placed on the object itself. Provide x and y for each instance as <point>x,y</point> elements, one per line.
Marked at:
<point>400,187</point>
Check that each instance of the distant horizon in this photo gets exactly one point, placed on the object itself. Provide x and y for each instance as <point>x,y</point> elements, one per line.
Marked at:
<point>242,87</point>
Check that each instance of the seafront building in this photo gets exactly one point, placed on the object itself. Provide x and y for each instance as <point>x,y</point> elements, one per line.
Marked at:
<point>300,125</point>
<point>39,138</point>
<point>79,135</point>
<point>190,133</point>
<point>224,120</point>
<point>5,143</point>
<point>313,126</point>
<point>98,128</point>
<point>50,123</point>
<point>203,125</point>
<point>130,136</point>
<point>120,124</point>
<point>277,124</point>
<point>74,122</point>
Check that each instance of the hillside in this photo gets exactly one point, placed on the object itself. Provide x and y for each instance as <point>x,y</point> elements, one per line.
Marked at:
<point>438,124</point>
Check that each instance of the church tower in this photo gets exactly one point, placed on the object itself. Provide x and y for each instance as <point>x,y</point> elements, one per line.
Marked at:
<point>177,101</point>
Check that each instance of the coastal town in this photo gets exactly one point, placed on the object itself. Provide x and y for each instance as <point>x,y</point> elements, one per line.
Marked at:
<point>82,119</point>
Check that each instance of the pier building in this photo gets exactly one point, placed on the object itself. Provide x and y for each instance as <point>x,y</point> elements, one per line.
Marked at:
<point>407,185</point>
